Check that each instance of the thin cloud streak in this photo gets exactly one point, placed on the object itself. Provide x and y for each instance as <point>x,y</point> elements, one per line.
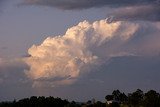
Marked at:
<point>85,4</point>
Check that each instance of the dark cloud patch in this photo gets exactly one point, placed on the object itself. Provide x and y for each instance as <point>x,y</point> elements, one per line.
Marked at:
<point>147,10</point>
<point>143,12</point>
<point>85,4</point>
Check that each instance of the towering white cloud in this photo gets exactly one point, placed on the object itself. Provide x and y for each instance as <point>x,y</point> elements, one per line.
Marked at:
<point>64,58</point>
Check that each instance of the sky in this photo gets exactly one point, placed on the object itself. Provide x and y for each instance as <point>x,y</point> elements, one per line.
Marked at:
<point>78,50</point>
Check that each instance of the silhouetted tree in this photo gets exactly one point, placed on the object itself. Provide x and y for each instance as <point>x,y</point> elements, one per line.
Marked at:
<point>151,99</point>
<point>123,98</point>
<point>109,97</point>
<point>136,98</point>
<point>99,104</point>
<point>116,95</point>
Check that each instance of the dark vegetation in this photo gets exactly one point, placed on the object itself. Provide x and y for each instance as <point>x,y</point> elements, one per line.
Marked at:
<point>116,99</point>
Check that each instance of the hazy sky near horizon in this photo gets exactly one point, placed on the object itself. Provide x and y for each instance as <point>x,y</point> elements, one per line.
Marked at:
<point>92,54</point>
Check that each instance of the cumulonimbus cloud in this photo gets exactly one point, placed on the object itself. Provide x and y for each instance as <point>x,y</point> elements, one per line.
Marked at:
<point>63,59</point>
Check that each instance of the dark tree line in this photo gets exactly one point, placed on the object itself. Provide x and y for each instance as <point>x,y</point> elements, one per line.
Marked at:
<point>36,102</point>
<point>135,99</point>
<point>116,99</point>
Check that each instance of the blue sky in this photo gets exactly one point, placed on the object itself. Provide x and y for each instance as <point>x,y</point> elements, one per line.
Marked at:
<point>125,56</point>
